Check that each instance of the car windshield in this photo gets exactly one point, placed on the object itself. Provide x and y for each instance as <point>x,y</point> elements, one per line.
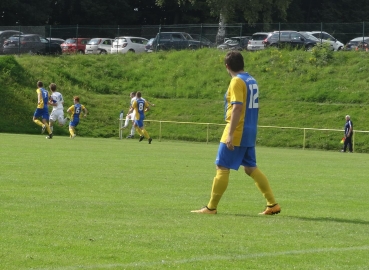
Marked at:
<point>308,36</point>
<point>232,41</point>
<point>187,36</point>
<point>94,41</point>
<point>259,36</point>
<point>13,38</point>
<point>120,40</point>
<point>70,41</point>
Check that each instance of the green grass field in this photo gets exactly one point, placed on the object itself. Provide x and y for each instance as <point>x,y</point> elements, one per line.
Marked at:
<point>92,203</point>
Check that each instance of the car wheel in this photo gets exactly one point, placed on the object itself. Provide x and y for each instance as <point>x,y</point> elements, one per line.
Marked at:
<point>131,51</point>
<point>103,52</point>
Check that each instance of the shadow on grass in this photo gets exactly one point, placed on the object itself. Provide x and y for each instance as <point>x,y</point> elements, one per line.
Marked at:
<point>317,219</point>
<point>330,219</point>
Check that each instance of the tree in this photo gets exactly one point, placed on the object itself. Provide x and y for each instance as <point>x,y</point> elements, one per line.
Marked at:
<point>253,11</point>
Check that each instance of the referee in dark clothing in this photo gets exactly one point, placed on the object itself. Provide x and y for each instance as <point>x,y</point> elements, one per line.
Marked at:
<point>349,131</point>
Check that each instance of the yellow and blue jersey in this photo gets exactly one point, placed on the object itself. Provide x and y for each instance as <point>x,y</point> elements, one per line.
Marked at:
<point>243,89</point>
<point>140,105</point>
<point>75,111</point>
<point>44,100</point>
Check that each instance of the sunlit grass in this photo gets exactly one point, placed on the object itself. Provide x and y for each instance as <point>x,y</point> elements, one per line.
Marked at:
<point>122,204</point>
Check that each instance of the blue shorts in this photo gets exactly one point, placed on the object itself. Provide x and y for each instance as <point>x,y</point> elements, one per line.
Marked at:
<point>139,123</point>
<point>74,123</point>
<point>41,113</point>
<point>244,156</point>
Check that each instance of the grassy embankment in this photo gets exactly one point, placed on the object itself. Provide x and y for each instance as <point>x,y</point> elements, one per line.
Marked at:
<point>297,89</point>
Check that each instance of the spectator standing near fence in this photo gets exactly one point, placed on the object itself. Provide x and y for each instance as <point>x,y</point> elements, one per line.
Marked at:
<point>237,145</point>
<point>349,132</point>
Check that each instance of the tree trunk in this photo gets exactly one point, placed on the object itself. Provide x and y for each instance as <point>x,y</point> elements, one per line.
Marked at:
<point>221,29</point>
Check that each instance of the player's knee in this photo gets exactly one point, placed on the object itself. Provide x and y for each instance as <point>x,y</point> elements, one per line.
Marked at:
<point>249,170</point>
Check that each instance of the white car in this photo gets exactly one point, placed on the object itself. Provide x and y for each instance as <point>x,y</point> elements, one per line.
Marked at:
<point>257,41</point>
<point>324,36</point>
<point>99,46</point>
<point>128,44</point>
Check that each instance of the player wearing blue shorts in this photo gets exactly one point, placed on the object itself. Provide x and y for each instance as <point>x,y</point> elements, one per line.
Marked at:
<point>42,109</point>
<point>140,106</point>
<point>237,144</point>
<point>75,111</point>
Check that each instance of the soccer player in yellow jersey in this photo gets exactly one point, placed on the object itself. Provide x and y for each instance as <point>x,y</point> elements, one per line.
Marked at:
<point>42,109</point>
<point>237,144</point>
<point>75,111</point>
<point>140,106</point>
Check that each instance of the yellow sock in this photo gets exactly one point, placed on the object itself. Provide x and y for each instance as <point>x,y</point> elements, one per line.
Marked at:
<point>48,128</point>
<point>262,183</point>
<point>220,184</point>
<point>139,131</point>
<point>71,131</point>
<point>146,134</point>
<point>38,122</point>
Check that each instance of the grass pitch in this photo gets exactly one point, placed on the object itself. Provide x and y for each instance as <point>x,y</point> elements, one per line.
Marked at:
<point>122,204</point>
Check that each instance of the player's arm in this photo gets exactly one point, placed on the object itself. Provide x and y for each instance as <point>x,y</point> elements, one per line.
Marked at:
<point>235,119</point>
<point>85,111</point>
<point>133,106</point>
<point>39,97</point>
<point>147,106</point>
<point>151,104</point>
<point>70,110</point>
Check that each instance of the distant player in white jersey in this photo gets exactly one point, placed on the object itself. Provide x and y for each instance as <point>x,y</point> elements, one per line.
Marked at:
<point>57,102</point>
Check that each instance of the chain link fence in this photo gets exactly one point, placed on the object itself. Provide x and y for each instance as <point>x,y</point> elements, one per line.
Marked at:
<point>216,33</point>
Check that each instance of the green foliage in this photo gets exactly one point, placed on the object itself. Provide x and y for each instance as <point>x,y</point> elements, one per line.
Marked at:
<point>188,86</point>
<point>111,204</point>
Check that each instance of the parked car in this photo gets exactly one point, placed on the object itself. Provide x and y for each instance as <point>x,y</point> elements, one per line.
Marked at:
<point>324,36</point>
<point>30,43</point>
<point>99,46</point>
<point>205,42</point>
<point>74,45</point>
<point>174,41</point>
<point>5,34</point>
<point>257,41</point>
<point>128,44</point>
<point>291,39</point>
<point>235,43</point>
<point>353,44</point>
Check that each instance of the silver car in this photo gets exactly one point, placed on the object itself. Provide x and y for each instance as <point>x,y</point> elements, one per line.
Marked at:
<point>128,44</point>
<point>324,36</point>
<point>99,46</point>
<point>257,41</point>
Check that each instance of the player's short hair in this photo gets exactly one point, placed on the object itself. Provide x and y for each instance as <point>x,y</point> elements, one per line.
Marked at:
<point>76,98</point>
<point>138,94</point>
<point>40,84</point>
<point>348,116</point>
<point>52,86</point>
<point>234,61</point>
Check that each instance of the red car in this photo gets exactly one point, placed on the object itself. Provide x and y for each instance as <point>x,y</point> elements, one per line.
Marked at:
<point>74,45</point>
